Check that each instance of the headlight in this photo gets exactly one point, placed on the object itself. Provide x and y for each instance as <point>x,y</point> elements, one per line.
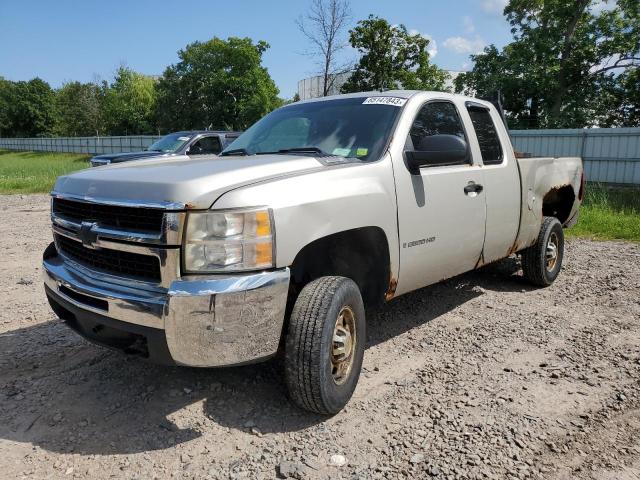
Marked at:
<point>228,241</point>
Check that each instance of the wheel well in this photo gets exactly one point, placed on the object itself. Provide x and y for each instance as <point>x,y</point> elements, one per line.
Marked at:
<point>361,254</point>
<point>558,203</point>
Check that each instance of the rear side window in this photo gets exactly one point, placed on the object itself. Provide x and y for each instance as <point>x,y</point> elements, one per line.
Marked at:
<point>487,134</point>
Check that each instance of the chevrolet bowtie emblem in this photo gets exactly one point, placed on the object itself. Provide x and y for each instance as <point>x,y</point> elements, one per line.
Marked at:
<point>87,235</point>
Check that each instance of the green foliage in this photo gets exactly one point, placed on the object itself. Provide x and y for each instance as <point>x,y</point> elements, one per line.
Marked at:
<point>79,107</point>
<point>218,83</point>
<point>27,109</point>
<point>33,109</point>
<point>35,172</point>
<point>129,104</point>
<point>569,65</point>
<point>391,57</point>
<point>6,127</point>
<point>619,99</point>
<point>609,213</point>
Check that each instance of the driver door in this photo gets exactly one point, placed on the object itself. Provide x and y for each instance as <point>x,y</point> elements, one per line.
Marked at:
<point>441,208</point>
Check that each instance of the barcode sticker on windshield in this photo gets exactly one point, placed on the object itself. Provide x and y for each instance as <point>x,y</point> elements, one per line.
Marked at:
<point>394,101</point>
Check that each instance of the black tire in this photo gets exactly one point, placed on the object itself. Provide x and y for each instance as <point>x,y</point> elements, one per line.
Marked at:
<point>309,345</point>
<point>536,265</point>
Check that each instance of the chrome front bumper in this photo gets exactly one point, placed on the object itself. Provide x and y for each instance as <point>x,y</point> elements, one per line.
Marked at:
<point>207,321</point>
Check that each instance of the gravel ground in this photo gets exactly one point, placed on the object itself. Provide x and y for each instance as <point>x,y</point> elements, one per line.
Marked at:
<point>481,376</point>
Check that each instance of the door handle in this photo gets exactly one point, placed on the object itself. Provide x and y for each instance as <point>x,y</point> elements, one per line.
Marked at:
<point>473,187</point>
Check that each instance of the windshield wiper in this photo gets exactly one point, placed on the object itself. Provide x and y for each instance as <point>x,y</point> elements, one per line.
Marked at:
<point>235,151</point>
<point>312,150</point>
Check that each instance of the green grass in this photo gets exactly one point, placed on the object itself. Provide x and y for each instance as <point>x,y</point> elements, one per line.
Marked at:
<point>609,213</point>
<point>36,172</point>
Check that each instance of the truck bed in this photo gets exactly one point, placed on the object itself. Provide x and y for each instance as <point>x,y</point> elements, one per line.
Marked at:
<point>549,185</point>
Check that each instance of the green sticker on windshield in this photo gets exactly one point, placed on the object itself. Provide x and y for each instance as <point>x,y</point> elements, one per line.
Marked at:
<point>341,152</point>
<point>361,152</point>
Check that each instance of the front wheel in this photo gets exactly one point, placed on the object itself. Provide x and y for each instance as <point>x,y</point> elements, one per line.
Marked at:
<point>542,261</point>
<point>324,345</point>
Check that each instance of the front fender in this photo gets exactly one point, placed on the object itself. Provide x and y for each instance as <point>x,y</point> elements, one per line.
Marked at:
<point>307,207</point>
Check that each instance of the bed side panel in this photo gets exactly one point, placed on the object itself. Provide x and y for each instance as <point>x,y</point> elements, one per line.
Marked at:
<point>539,176</point>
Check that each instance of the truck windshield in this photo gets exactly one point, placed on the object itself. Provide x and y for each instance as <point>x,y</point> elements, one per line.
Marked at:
<point>169,143</point>
<point>344,127</point>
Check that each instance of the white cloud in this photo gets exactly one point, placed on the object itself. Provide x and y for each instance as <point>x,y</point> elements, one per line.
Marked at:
<point>467,22</point>
<point>433,45</point>
<point>464,45</point>
<point>603,5</point>
<point>494,7</point>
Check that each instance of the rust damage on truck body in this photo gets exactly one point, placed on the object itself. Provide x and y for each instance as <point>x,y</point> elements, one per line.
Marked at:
<point>561,199</point>
<point>516,247</point>
<point>480,261</point>
<point>391,291</point>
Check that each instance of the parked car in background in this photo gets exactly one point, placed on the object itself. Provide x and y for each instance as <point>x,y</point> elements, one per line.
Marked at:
<point>193,142</point>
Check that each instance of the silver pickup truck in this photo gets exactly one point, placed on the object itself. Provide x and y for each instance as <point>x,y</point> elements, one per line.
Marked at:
<point>321,208</point>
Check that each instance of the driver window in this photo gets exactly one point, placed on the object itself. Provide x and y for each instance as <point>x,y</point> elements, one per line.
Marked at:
<point>293,131</point>
<point>206,146</point>
<point>436,118</point>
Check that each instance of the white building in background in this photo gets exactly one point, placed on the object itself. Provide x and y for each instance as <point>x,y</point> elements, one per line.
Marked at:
<point>312,87</point>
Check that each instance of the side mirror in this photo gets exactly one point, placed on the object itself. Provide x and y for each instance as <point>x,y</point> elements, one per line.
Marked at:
<point>436,151</point>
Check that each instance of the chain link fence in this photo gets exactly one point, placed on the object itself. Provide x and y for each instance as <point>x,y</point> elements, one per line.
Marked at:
<point>89,145</point>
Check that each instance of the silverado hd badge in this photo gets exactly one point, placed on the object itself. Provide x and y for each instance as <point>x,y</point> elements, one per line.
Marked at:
<point>422,241</point>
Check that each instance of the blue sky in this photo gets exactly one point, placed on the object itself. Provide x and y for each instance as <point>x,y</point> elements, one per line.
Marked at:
<point>66,40</point>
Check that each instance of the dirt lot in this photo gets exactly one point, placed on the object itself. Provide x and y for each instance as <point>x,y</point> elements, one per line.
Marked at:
<point>478,377</point>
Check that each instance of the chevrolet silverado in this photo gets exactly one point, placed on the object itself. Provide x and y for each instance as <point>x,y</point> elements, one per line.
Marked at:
<point>277,245</point>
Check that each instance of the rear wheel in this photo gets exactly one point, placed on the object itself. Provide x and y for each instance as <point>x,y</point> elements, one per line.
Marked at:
<point>325,345</point>
<point>541,263</point>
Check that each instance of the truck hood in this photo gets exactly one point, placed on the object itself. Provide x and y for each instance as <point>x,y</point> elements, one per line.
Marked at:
<point>195,183</point>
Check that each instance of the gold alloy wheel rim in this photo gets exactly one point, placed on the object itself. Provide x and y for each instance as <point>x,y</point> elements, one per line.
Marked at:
<point>551,252</point>
<point>343,345</point>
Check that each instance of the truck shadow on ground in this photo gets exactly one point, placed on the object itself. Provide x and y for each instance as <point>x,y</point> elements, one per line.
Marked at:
<point>64,395</point>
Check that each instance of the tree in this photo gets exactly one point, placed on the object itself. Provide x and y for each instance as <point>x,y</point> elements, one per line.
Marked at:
<point>218,83</point>
<point>324,26</point>
<point>391,57</point>
<point>79,107</point>
<point>5,101</point>
<point>621,100</point>
<point>27,109</point>
<point>565,57</point>
<point>129,104</point>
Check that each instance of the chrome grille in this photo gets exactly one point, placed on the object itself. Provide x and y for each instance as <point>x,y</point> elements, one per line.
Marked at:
<point>148,220</point>
<point>140,267</point>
